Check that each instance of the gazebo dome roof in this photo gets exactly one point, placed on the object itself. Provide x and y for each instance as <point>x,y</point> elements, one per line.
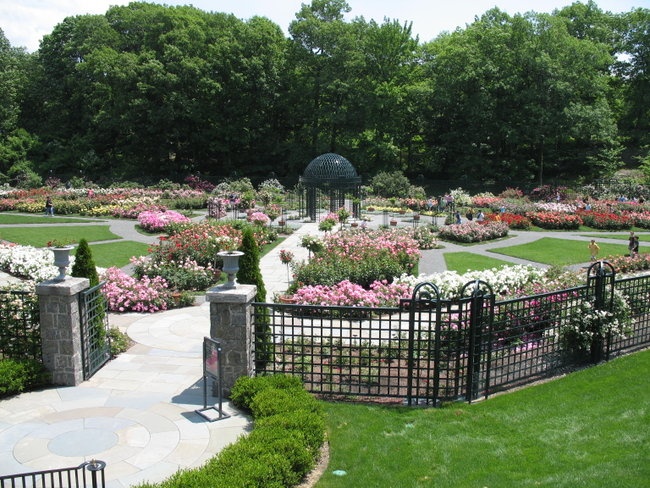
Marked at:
<point>330,169</point>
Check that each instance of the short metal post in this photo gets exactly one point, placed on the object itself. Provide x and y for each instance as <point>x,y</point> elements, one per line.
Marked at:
<point>95,466</point>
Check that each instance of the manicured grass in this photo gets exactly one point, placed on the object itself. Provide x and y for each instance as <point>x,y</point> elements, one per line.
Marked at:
<point>620,237</point>
<point>117,254</point>
<point>6,218</point>
<point>559,252</point>
<point>588,429</point>
<point>39,236</point>
<point>462,262</point>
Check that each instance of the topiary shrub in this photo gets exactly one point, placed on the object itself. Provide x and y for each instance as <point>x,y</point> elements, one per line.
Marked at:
<point>84,265</point>
<point>249,273</point>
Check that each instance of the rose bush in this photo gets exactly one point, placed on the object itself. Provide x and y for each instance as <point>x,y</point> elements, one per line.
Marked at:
<point>474,231</point>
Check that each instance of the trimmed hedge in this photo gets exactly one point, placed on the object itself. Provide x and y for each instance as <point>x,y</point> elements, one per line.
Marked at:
<point>281,450</point>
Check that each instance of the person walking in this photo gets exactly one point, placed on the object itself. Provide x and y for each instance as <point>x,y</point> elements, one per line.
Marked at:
<point>457,217</point>
<point>593,249</point>
<point>49,207</point>
<point>630,243</point>
<point>635,247</point>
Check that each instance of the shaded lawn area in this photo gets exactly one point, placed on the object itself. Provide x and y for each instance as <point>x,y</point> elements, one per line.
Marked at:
<point>587,429</point>
<point>461,262</point>
<point>117,254</point>
<point>39,236</point>
<point>560,252</point>
<point>6,218</point>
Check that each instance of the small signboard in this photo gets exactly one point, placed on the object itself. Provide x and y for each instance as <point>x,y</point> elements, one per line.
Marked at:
<point>212,372</point>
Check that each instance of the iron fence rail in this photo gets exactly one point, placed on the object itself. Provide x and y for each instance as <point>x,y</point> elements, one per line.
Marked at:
<point>86,475</point>
<point>95,345</point>
<point>20,334</point>
<point>428,350</point>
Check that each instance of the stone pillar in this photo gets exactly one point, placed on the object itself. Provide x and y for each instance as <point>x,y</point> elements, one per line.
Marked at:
<point>231,324</point>
<point>61,328</point>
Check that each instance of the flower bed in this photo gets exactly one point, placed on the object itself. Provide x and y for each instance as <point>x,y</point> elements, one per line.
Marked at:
<point>158,221</point>
<point>555,220</point>
<point>606,220</point>
<point>348,294</point>
<point>29,262</point>
<point>127,294</point>
<point>360,257</point>
<point>474,232</point>
<point>514,221</point>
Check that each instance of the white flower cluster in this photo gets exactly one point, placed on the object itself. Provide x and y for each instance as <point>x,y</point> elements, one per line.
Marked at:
<point>504,281</point>
<point>33,263</point>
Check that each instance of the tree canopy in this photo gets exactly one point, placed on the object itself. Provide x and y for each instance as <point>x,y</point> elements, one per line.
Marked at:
<point>148,91</point>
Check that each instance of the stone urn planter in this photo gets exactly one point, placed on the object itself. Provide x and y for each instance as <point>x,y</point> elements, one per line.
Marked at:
<point>287,299</point>
<point>230,266</point>
<point>61,260</point>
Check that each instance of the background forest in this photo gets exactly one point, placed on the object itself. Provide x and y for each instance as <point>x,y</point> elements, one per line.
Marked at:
<point>146,92</point>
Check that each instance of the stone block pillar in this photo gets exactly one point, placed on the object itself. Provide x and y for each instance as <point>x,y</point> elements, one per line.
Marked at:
<point>61,329</point>
<point>231,324</point>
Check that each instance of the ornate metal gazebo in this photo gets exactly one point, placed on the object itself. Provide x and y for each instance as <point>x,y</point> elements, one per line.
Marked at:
<point>335,176</point>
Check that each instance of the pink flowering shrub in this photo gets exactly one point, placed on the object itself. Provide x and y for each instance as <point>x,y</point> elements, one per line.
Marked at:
<point>348,294</point>
<point>127,294</point>
<point>158,221</point>
<point>258,218</point>
<point>360,257</point>
<point>474,231</point>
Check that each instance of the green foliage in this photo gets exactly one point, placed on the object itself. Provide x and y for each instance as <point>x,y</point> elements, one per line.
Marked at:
<point>249,264</point>
<point>21,375</point>
<point>245,388</point>
<point>250,273</point>
<point>280,450</point>
<point>119,341</point>
<point>84,265</point>
<point>390,184</point>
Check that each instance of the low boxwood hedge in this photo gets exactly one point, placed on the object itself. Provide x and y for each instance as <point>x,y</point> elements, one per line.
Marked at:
<point>278,453</point>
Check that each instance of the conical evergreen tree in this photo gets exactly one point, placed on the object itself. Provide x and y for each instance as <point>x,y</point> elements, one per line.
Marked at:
<point>84,265</point>
<point>249,274</point>
<point>249,265</point>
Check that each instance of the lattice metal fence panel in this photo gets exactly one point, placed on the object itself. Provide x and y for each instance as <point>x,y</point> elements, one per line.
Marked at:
<point>20,333</point>
<point>636,292</point>
<point>344,350</point>
<point>95,346</point>
<point>524,340</point>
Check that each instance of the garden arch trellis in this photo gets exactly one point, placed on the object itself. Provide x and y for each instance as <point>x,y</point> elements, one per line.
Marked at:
<point>335,176</point>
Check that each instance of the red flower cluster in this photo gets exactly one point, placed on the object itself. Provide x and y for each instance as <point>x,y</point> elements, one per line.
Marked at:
<point>555,220</point>
<point>514,221</point>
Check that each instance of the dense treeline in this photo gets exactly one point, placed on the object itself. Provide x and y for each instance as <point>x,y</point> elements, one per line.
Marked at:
<point>148,91</point>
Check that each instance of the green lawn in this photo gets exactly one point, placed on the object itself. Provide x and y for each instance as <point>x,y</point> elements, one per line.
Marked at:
<point>588,429</point>
<point>561,252</point>
<point>117,253</point>
<point>39,236</point>
<point>462,262</point>
<point>6,218</point>
<point>620,237</point>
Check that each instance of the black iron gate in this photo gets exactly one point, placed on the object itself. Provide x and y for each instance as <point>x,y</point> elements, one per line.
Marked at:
<point>95,346</point>
<point>456,335</point>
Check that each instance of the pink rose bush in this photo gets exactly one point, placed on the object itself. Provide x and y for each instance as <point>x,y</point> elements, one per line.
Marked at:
<point>348,294</point>
<point>474,231</point>
<point>157,221</point>
<point>258,218</point>
<point>127,294</point>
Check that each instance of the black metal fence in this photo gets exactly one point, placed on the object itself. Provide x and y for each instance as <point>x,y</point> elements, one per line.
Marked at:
<point>95,345</point>
<point>429,350</point>
<point>86,475</point>
<point>20,335</point>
